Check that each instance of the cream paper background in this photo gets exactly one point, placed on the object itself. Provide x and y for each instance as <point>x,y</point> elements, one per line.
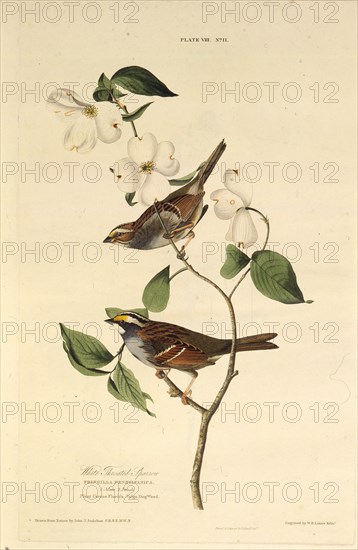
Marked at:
<point>38,291</point>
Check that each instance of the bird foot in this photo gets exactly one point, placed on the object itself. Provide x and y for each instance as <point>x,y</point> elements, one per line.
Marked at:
<point>182,254</point>
<point>184,397</point>
<point>173,393</point>
<point>159,374</point>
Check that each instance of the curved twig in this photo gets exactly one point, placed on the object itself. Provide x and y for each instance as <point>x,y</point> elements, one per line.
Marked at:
<point>207,415</point>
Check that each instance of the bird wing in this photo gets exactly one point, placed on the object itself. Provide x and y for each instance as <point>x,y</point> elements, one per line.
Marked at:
<point>169,213</point>
<point>171,346</point>
<point>187,204</point>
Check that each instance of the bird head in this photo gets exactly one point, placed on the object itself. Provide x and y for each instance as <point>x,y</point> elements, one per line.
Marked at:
<point>127,320</point>
<point>122,234</point>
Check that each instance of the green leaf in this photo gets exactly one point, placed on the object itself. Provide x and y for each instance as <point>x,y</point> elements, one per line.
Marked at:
<point>129,198</point>
<point>140,81</point>
<point>102,94</point>
<point>137,113</point>
<point>104,82</point>
<point>127,388</point>
<point>117,93</point>
<point>235,261</point>
<point>80,368</point>
<point>86,350</point>
<point>273,276</point>
<point>111,387</point>
<point>156,293</point>
<point>185,179</point>
<point>113,311</point>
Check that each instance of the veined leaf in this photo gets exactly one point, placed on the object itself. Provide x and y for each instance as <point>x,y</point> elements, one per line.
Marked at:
<point>86,350</point>
<point>274,277</point>
<point>185,179</point>
<point>117,94</point>
<point>235,261</point>
<point>80,368</point>
<point>137,113</point>
<point>127,388</point>
<point>104,82</point>
<point>140,81</point>
<point>156,293</point>
<point>111,387</point>
<point>114,311</point>
<point>102,94</point>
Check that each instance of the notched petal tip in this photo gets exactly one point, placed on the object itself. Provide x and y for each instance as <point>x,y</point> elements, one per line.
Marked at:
<point>243,230</point>
<point>226,203</point>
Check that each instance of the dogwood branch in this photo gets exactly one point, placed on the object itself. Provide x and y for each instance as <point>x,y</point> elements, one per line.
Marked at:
<point>207,414</point>
<point>124,107</point>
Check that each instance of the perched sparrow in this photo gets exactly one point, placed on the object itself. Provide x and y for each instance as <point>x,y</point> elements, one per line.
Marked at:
<point>165,346</point>
<point>180,212</point>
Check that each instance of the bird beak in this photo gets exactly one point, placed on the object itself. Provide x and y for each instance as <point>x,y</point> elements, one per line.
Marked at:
<point>107,240</point>
<point>110,321</point>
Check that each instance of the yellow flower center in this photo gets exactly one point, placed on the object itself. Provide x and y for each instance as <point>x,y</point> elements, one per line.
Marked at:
<point>90,111</point>
<point>147,167</point>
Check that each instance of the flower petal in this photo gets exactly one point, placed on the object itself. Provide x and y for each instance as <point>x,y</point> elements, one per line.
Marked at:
<point>228,235</point>
<point>142,149</point>
<point>63,105</point>
<point>127,175</point>
<point>107,121</point>
<point>241,189</point>
<point>226,203</point>
<point>81,135</point>
<point>164,162</point>
<point>65,98</point>
<point>244,231</point>
<point>154,187</point>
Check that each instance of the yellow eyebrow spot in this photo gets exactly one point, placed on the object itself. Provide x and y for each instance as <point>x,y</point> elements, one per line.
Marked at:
<point>120,318</point>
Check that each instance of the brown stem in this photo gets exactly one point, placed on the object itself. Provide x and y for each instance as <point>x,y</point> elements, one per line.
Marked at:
<point>231,373</point>
<point>198,462</point>
<point>124,107</point>
<point>131,121</point>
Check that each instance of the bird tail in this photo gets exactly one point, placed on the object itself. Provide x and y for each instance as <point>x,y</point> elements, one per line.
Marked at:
<point>209,165</point>
<point>196,185</point>
<point>255,342</point>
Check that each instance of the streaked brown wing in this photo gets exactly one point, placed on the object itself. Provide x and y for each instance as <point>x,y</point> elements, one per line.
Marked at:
<point>187,204</point>
<point>181,355</point>
<point>172,218</point>
<point>169,343</point>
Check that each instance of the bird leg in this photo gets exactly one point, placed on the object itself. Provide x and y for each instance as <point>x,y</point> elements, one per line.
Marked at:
<point>191,236</point>
<point>188,391</point>
<point>162,373</point>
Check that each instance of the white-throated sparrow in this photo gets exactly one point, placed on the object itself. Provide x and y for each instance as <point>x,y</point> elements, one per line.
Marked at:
<point>164,346</point>
<point>180,212</point>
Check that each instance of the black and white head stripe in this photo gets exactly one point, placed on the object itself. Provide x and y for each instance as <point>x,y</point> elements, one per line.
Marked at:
<point>131,317</point>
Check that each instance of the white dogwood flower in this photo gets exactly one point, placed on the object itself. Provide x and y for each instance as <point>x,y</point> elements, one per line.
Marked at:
<point>85,122</point>
<point>146,168</point>
<point>231,204</point>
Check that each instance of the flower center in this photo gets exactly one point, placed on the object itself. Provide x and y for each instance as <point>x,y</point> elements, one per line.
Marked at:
<point>90,111</point>
<point>147,167</point>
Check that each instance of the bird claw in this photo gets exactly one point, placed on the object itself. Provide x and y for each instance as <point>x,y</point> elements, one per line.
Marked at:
<point>182,254</point>
<point>159,374</point>
<point>184,397</point>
